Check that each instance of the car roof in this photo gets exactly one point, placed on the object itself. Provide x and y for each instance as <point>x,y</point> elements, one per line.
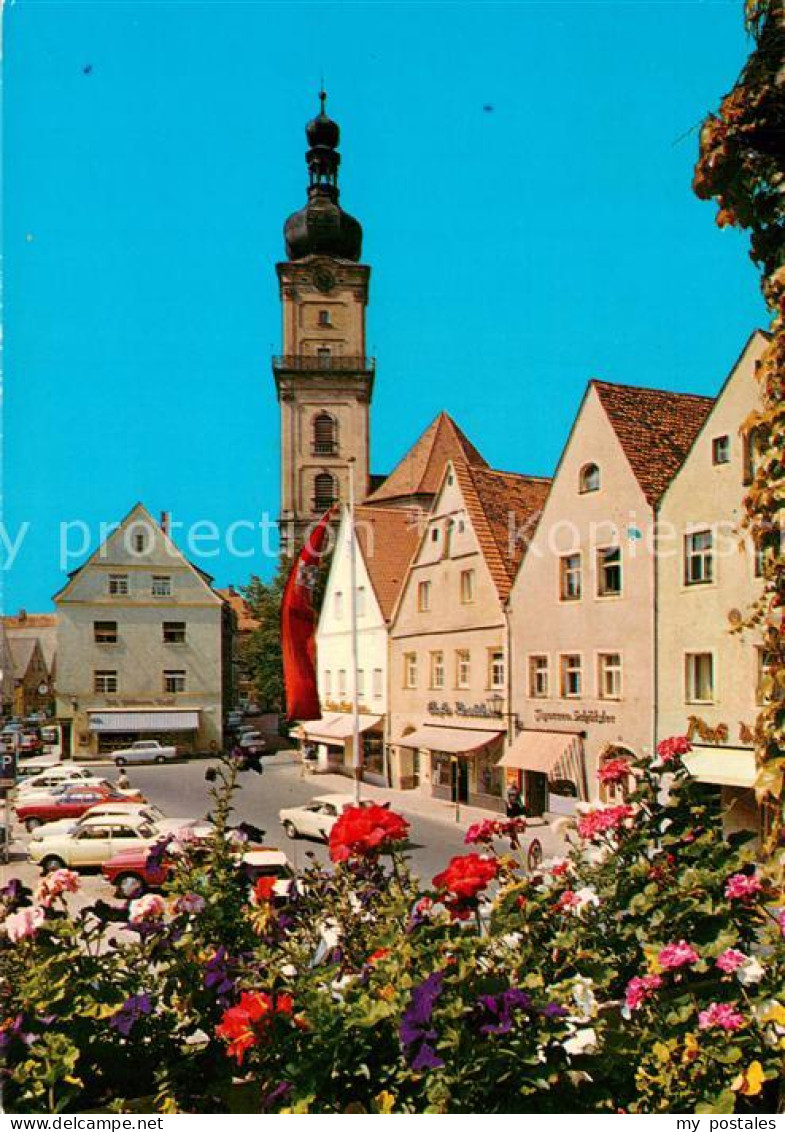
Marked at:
<point>100,819</point>
<point>265,857</point>
<point>341,799</point>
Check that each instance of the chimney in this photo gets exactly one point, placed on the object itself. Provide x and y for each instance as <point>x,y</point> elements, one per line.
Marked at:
<point>166,522</point>
<point>22,615</point>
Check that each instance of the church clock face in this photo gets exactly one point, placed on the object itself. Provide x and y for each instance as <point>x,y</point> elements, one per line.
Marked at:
<point>323,279</point>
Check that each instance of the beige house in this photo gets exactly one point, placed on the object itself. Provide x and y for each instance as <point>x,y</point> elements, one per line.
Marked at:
<point>581,611</point>
<point>142,646</point>
<point>448,642</point>
<point>32,691</point>
<point>708,675</point>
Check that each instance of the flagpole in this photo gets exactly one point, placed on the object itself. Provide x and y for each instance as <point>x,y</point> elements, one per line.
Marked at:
<point>356,762</point>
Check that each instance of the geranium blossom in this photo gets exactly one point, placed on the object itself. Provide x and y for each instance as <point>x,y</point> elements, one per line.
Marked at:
<point>242,1026</point>
<point>730,960</point>
<point>742,886</point>
<point>720,1016</point>
<point>582,1041</point>
<point>151,906</point>
<point>670,750</point>
<point>484,832</point>
<point>24,923</point>
<point>750,972</point>
<point>614,771</point>
<point>603,819</point>
<point>577,902</point>
<point>366,830</point>
<point>675,955</point>
<point>191,903</point>
<point>263,891</point>
<point>639,989</point>
<point>55,884</point>
<point>466,877</point>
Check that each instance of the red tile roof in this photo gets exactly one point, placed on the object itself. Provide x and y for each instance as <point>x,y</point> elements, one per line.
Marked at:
<point>24,620</point>
<point>246,622</point>
<point>388,538</point>
<point>420,470</point>
<point>656,429</point>
<point>504,509</point>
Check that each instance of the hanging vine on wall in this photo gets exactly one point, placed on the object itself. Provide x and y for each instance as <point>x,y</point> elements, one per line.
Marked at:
<point>741,166</point>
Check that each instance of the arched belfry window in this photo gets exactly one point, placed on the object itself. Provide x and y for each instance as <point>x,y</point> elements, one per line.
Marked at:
<point>590,478</point>
<point>325,491</point>
<point>325,439</point>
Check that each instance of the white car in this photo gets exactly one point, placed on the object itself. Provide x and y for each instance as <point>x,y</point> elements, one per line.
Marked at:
<point>145,811</point>
<point>317,817</point>
<point>56,776</point>
<point>143,751</point>
<point>258,863</point>
<point>93,842</point>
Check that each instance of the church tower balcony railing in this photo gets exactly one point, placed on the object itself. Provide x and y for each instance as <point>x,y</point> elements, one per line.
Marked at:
<point>333,363</point>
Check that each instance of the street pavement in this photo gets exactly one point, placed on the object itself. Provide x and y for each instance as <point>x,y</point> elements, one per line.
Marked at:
<point>181,791</point>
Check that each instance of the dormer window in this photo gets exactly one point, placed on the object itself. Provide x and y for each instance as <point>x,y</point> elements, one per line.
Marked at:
<point>325,319</point>
<point>590,478</point>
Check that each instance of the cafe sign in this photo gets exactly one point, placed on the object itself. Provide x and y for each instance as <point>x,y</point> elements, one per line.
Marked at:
<point>467,711</point>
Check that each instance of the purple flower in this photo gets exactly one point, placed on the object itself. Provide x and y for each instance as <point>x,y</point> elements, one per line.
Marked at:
<point>217,977</point>
<point>281,1090</point>
<point>130,1012</point>
<point>554,1010</point>
<point>14,894</point>
<point>15,1030</point>
<point>416,1033</point>
<point>496,1011</point>
<point>157,852</point>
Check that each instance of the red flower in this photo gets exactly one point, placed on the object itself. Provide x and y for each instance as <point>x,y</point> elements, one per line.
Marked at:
<point>263,890</point>
<point>244,1024</point>
<point>365,830</point>
<point>614,771</point>
<point>670,750</point>
<point>380,953</point>
<point>466,877</point>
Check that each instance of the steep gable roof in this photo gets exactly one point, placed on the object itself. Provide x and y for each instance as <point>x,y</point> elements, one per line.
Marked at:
<point>23,649</point>
<point>387,538</point>
<point>656,429</point>
<point>420,470</point>
<point>504,509</point>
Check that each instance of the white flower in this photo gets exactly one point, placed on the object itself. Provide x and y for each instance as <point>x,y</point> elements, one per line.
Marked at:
<point>338,986</point>
<point>665,824</point>
<point>583,1041</point>
<point>750,972</point>
<point>596,854</point>
<point>329,935</point>
<point>512,939</point>
<point>561,826</point>
<point>584,898</point>
<point>583,997</point>
<point>289,971</point>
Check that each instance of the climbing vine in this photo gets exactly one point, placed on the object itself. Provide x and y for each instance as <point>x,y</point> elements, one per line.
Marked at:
<point>741,167</point>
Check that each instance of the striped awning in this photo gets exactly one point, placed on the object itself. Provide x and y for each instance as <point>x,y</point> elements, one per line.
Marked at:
<point>147,720</point>
<point>450,740</point>
<point>547,752</point>
<point>337,726</point>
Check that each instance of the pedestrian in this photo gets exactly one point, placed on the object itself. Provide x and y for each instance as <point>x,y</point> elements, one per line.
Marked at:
<point>123,781</point>
<point>514,803</point>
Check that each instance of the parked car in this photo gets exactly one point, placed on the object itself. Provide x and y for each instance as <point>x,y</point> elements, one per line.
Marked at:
<point>147,812</point>
<point>252,741</point>
<point>132,874</point>
<point>56,775</point>
<point>317,818</point>
<point>234,720</point>
<point>68,802</point>
<point>31,768</point>
<point>143,751</point>
<point>95,841</point>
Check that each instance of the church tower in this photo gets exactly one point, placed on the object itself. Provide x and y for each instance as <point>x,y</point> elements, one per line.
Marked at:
<point>323,377</point>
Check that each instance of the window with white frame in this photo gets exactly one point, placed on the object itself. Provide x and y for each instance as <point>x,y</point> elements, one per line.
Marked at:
<point>609,571</point>
<point>174,680</point>
<point>538,677</point>
<point>698,558</point>
<point>105,632</point>
<point>118,585</point>
<point>437,669</point>
<point>341,683</point>
<point>467,587</point>
<point>609,675</point>
<point>570,577</point>
<point>361,601</point>
<point>338,605</point>
<point>463,668</point>
<point>378,682</point>
<point>173,632</point>
<point>410,670</point>
<point>161,585</point>
<point>495,669</point>
<point>699,678</point>
<point>328,683</point>
<point>424,597</point>
<point>571,675</point>
<point>105,681</point>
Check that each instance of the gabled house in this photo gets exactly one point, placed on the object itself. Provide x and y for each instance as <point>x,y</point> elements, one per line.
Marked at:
<point>710,674</point>
<point>581,611</point>
<point>32,689</point>
<point>141,645</point>
<point>448,641</point>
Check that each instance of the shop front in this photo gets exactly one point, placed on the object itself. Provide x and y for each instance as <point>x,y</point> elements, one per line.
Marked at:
<point>549,768</point>
<point>111,729</point>
<point>331,739</point>
<point>457,764</point>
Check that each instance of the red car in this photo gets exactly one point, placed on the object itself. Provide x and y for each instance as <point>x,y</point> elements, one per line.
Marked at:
<point>70,801</point>
<point>131,875</point>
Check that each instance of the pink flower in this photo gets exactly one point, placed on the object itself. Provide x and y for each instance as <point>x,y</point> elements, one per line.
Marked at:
<point>670,750</point>
<point>614,771</point>
<point>603,820</point>
<point>24,923</point>
<point>720,1016</point>
<point>481,832</point>
<point>191,902</point>
<point>742,887</point>
<point>675,955</point>
<point>731,960</point>
<point>148,907</point>
<point>55,884</point>
<point>639,989</point>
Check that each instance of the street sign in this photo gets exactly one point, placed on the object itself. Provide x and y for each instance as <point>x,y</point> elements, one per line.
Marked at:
<point>7,770</point>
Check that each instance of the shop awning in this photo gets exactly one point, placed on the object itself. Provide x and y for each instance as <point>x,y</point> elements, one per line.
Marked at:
<point>722,768</point>
<point>148,719</point>
<point>450,740</point>
<point>337,726</point>
<point>542,751</point>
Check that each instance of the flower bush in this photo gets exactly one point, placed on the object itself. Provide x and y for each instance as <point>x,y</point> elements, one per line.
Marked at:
<point>641,972</point>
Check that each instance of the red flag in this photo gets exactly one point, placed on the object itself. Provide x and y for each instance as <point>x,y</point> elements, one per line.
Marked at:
<point>298,627</point>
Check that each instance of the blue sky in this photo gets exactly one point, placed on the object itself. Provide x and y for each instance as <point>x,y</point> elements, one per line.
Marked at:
<point>153,151</point>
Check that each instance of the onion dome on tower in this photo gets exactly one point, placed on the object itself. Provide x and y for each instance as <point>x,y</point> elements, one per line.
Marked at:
<point>322,227</point>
